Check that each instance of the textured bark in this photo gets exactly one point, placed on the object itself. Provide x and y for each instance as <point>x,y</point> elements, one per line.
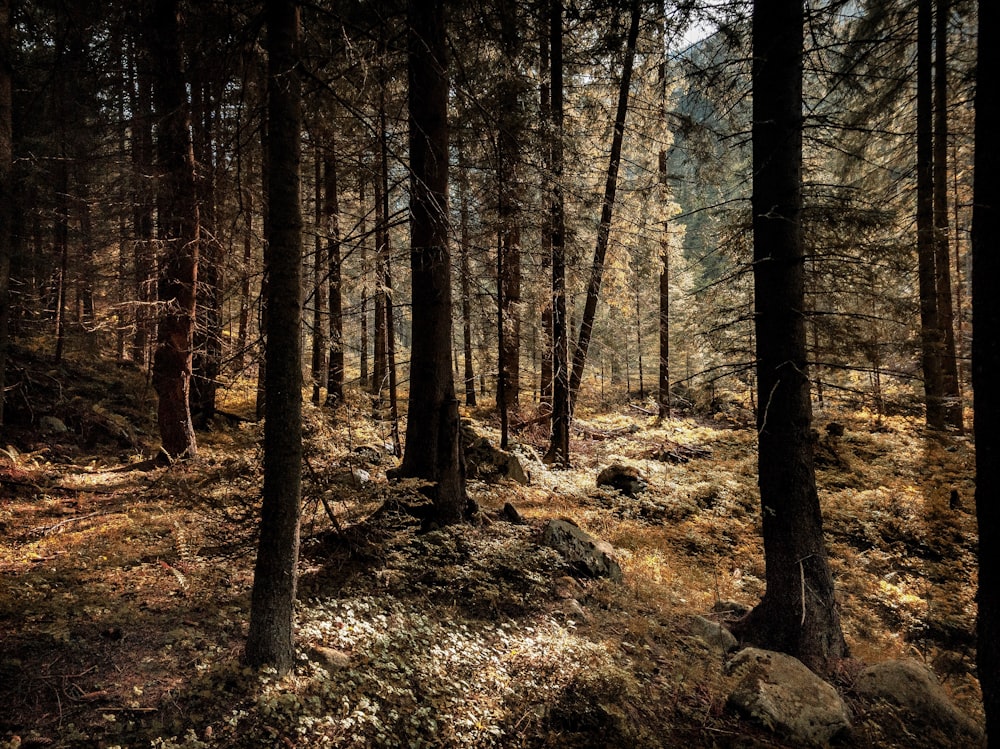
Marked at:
<point>607,209</point>
<point>270,640</point>
<point>142,206</point>
<point>798,614</point>
<point>931,341</point>
<point>951,389</point>
<point>177,211</point>
<point>6,187</point>
<point>986,362</point>
<point>558,450</point>
<point>469,375</point>
<point>318,367</point>
<point>433,449</point>
<point>545,114</point>
<point>331,223</point>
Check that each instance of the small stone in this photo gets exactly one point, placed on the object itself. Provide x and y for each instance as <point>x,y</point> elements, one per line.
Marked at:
<point>712,634</point>
<point>581,550</point>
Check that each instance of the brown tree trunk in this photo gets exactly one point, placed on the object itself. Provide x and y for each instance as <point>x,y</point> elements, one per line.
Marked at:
<point>363,305</point>
<point>433,449</point>
<point>318,365</point>
<point>464,271</point>
<point>270,640</point>
<point>331,223</point>
<point>558,450</point>
<point>607,209</point>
<point>798,614</point>
<point>61,237</point>
<point>545,115</point>
<point>942,255</point>
<point>177,210</point>
<point>931,340</point>
<point>6,186</point>
<point>986,362</point>
<point>142,206</point>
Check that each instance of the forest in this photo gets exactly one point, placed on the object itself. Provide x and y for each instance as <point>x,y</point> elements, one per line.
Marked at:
<point>553,373</point>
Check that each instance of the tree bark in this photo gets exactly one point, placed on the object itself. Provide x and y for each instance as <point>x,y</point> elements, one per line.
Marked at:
<point>319,372</point>
<point>177,211</point>
<point>464,271</point>
<point>986,362</point>
<point>942,248</point>
<point>931,342</point>
<point>798,614</point>
<point>331,223</point>
<point>545,115</point>
<point>433,449</point>
<point>607,209</point>
<point>558,450</point>
<point>6,186</point>
<point>142,205</point>
<point>270,640</point>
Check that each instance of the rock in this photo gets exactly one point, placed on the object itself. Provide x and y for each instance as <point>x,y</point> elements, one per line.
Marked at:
<point>330,658</point>
<point>584,552</point>
<point>566,587</point>
<point>483,460</point>
<point>370,454</point>
<point>53,425</point>
<point>623,478</point>
<point>913,687</point>
<point>510,514</point>
<point>354,477</point>
<point>712,634</point>
<point>779,692</point>
<point>835,429</point>
<point>731,609</point>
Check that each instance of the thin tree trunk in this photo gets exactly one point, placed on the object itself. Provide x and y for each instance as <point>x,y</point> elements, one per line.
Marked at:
<point>986,362</point>
<point>142,205</point>
<point>318,368</point>
<point>6,186</point>
<point>931,339</point>
<point>363,306</point>
<point>469,376</point>
<point>61,232</point>
<point>331,209</point>
<point>607,209</point>
<point>178,232</point>
<point>270,640</point>
<point>545,115</point>
<point>663,384</point>
<point>805,625</point>
<point>558,450</point>
<point>243,325</point>
<point>433,449</point>
<point>946,316</point>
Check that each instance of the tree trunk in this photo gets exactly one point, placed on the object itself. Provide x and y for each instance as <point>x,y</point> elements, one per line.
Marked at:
<point>270,640</point>
<point>930,329</point>
<point>942,255</point>
<point>986,362</point>
<point>607,208</point>
<point>464,271</point>
<point>142,207</point>
<point>363,305</point>
<point>61,237</point>
<point>331,225</point>
<point>6,186</point>
<point>177,210</point>
<point>318,367</point>
<point>433,449</point>
<point>558,450</point>
<point>545,115</point>
<point>798,614</point>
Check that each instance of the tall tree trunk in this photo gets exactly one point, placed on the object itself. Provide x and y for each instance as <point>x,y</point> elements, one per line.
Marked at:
<point>942,258</point>
<point>270,640</point>
<point>142,205</point>
<point>331,223</point>
<point>558,450</point>
<point>464,271</point>
<point>663,319</point>
<point>798,614</point>
<point>433,449</point>
<point>607,209</point>
<point>363,305</point>
<point>6,186</point>
<point>318,365</point>
<point>545,115</point>
<point>930,328</point>
<point>243,324</point>
<point>61,237</point>
<point>986,361</point>
<point>177,211</point>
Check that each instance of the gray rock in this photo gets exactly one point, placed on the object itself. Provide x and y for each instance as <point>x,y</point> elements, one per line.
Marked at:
<point>584,552</point>
<point>779,692</point>
<point>712,634</point>
<point>913,687</point>
<point>53,425</point>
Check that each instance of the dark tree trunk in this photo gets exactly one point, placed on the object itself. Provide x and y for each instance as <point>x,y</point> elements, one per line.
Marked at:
<point>331,224</point>
<point>942,255</point>
<point>545,115</point>
<point>986,361</point>
<point>558,450</point>
<point>177,210</point>
<point>798,614</point>
<point>6,187</point>
<point>270,640</point>
<point>61,237</point>
<point>607,208</point>
<point>142,207</point>
<point>433,450</point>
<point>363,305</point>
<point>243,325</point>
<point>663,384</point>
<point>318,365</point>
<point>930,329</point>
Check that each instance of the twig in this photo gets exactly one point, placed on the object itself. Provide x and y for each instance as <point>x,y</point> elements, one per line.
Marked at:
<point>640,409</point>
<point>47,531</point>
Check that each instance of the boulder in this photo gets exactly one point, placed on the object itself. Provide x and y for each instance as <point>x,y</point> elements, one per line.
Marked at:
<point>625,479</point>
<point>913,687</point>
<point>483,460</point>
<point>582,551</point>
<point>779,692</point>
<point>712,634</point>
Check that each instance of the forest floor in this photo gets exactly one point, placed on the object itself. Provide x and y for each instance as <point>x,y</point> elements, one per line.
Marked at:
<point>124,592</point>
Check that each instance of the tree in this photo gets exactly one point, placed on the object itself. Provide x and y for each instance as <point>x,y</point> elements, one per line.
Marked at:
<point>986,362</point>
<point>797,614</point>
<point>178,232</point>
<point>331,226</point>
<point>270,638</point>
<point>6,186</point>
<point>558,450</point>
<point>433,447</point>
